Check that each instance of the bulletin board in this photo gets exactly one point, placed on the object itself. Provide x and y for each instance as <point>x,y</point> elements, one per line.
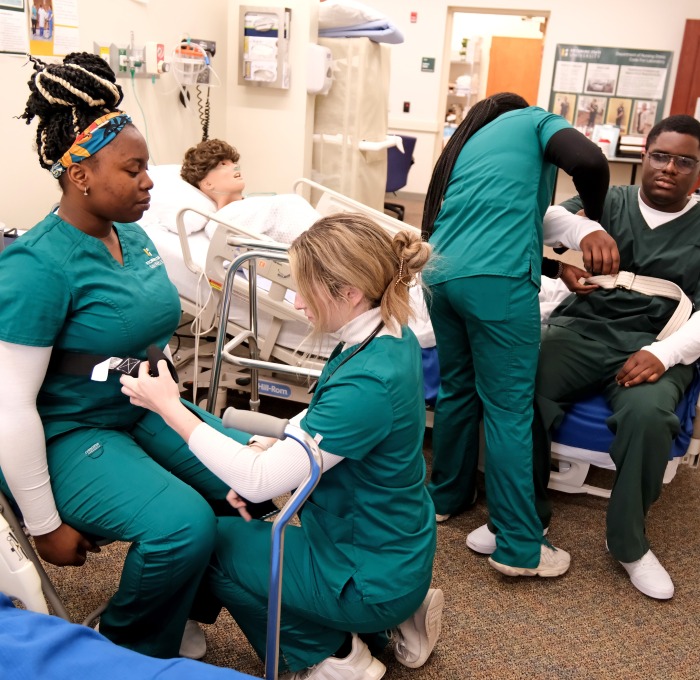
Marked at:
<point>610,86</point>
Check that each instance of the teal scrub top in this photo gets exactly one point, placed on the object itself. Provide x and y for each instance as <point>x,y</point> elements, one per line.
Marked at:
<point>371,519</point>
<point>623,319</point>
<point>60,287</point>
<point>490,222</point>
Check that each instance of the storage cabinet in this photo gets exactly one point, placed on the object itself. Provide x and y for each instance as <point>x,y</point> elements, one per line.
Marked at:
<point>463,85</point>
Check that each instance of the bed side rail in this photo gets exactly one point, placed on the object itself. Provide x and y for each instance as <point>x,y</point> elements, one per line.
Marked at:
<point>326,201</point>
<point>267,252</point>
<point>221,252</point>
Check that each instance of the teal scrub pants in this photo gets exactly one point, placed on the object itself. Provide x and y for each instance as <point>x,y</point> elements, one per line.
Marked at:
<point>644,423</point>
<point>142,485</point>
<point>315,619</point>
<point>488,331</point>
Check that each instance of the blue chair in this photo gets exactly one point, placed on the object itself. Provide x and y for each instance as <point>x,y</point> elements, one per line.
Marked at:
<point>398,165</point>
<point>583,439</point>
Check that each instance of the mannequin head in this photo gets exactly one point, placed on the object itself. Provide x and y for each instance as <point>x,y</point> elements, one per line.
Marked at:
<point>212,167</point>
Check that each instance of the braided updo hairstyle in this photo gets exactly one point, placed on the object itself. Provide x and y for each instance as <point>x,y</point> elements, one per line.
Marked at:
<point>66,98</point>
<point>350,249</point>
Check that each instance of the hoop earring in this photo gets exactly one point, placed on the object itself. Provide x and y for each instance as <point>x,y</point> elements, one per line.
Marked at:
<point>85,191</point>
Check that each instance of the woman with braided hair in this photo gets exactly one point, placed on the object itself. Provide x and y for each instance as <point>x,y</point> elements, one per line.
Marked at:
<point>484,216</point>
<point>361,561</point>
<point>82,287</point>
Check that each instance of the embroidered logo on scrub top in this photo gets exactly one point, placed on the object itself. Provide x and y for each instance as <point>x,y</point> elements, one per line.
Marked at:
<point>152,262</point>
<point>95,451</point>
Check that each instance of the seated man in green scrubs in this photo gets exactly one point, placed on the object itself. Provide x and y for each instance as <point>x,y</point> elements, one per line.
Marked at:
<point>614,340</point>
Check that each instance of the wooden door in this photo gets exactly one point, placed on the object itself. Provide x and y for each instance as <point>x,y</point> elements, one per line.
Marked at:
<point>687,89</point>
<point>514,66</point>
<point>686,93</point>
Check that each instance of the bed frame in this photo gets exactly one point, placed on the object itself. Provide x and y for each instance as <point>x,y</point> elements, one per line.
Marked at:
<point>228,243</point>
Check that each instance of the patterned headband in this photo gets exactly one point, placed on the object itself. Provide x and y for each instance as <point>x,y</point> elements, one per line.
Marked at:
<point>96,135</point>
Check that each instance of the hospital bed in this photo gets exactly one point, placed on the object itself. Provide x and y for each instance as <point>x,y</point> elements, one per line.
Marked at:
<point>197,260</point>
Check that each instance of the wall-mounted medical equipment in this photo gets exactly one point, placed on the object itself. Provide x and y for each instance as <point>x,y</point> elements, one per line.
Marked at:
<point>190,62</point>
<point>130,61</point>
<point>264,46</point>
<point>190,66</point>
<point>319,77</point>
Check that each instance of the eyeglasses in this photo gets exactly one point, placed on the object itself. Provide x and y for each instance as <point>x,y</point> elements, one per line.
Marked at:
<point>683,164</point>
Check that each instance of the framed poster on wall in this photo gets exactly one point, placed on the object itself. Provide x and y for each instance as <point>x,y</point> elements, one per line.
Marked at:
<point>625,88</point>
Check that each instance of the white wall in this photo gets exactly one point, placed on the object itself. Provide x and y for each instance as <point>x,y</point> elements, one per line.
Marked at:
<point>641,24</point>
<point>28,191</point>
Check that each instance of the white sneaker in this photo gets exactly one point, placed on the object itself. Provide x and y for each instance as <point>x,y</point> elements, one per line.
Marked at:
<point>193,644</point>
<point>483,540</point>
<point>648,575</point>
<point>415,638</point>
<point>553,562</point>
<point>358,665</point>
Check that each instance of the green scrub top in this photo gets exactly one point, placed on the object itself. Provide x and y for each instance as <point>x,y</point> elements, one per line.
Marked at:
<point>623,319</point>
<point>60,287</point>
<point>370,519</point>
<point>490,222</point>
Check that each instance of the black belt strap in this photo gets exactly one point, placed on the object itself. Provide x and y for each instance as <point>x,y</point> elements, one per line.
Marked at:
<point>82,363</point>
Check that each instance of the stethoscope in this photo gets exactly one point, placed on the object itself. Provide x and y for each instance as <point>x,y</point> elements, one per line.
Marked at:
<point>357,350</point>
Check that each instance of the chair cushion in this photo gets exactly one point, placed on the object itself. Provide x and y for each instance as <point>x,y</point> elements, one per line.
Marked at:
<point>584,424</point>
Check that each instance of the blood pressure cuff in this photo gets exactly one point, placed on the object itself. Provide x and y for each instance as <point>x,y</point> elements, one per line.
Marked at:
<point>98,366</point>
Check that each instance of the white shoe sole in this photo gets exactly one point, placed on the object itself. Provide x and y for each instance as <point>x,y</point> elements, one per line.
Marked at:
<point>649,592</point>
<point>522,571</point>
<point>433,611</point>
<point>544,572</point>
<point>374,671</point>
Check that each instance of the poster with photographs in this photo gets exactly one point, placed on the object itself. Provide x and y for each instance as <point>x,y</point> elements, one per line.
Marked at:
<point>610,86</point>
<point>53,27</point>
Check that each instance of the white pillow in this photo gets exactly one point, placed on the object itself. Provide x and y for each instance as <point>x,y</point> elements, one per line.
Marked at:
<point>282,217</point>
<point>344,13</point>
<point>169,195</point>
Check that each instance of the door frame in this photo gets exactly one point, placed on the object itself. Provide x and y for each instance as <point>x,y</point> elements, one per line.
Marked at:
<point>447,52</point>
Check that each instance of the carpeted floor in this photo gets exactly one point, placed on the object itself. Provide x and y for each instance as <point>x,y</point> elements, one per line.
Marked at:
<point>590,623</point>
